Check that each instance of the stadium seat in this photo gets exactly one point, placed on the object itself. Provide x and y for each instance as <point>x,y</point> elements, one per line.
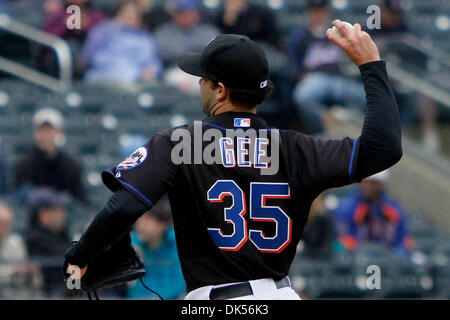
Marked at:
<point>20,96</point>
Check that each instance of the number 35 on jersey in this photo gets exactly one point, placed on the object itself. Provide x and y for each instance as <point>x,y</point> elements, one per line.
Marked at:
<point>258,211</point>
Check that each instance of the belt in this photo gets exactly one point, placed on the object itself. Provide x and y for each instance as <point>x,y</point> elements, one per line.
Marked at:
<point>241,289</point>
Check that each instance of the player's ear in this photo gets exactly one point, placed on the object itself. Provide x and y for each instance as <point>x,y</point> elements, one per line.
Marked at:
<point>221,91</point>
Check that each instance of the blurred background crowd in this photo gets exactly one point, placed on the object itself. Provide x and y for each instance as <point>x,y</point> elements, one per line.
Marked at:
<point>75,101</point>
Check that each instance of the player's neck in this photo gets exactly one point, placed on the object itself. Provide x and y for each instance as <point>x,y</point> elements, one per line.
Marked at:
<point>228,107</point>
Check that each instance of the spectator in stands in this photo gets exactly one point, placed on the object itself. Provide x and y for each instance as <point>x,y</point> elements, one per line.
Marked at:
<point>153,15</point>
<point>155,242</point>
<point>253,20</point>
<point>56,20</point>
<point>393,27</point>
<point>120,51</point>
<point>13,252</point>
<point>47,237</point>
<point>320,232</point>
<point>56,23</point>
<point>184,33</point>
<point>392,19</point>
<point>46,164</point>
<point>316,63</point>
<point>371,214</point>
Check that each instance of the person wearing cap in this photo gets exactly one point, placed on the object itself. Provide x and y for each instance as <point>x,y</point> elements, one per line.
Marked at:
<point>239,219</point>
<point>315,64</point>
<point>186,32</point>
<point>47,236</point>
<point>45,164</point>
<point>370,214</point>
<point>246,79</point>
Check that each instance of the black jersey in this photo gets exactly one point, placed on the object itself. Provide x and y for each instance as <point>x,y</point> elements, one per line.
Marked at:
<point>239,214</point>
<point>240,192</point>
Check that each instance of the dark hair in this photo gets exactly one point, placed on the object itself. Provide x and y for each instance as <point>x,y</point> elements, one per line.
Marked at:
<point>162,211</point>
<point>120,5</point>
<point>246,97</point>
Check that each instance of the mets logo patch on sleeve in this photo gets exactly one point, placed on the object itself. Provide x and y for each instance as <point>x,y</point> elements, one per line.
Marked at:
<point>134,160</point>
<point>242,122</point>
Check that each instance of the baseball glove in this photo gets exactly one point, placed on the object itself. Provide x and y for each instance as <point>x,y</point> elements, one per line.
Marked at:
<point>116,265</point>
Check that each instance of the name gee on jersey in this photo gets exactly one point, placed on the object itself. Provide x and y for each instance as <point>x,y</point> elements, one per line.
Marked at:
<point>245,148</point>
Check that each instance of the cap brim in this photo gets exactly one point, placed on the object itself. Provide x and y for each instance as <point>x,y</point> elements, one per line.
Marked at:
<point>192,63</point>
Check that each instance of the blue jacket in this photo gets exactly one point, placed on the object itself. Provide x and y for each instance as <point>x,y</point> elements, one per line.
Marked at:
<point>115,53</point>
<point>384,221</point>
<point>163,269</point>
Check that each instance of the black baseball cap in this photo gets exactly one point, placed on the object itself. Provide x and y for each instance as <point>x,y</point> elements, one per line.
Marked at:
<point>44,197</point>
<point>232,59</point>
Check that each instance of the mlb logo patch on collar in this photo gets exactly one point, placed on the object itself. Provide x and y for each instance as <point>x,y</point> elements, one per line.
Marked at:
<point>242,122</point>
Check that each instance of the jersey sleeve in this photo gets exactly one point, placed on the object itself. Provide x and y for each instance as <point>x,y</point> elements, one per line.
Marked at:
<point>147,173</point>
<point>326,163</point>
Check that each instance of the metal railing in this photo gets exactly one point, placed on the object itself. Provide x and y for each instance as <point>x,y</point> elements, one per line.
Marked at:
<point>62,51</point>
<point>412,79</point>
<point>417,83</point>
